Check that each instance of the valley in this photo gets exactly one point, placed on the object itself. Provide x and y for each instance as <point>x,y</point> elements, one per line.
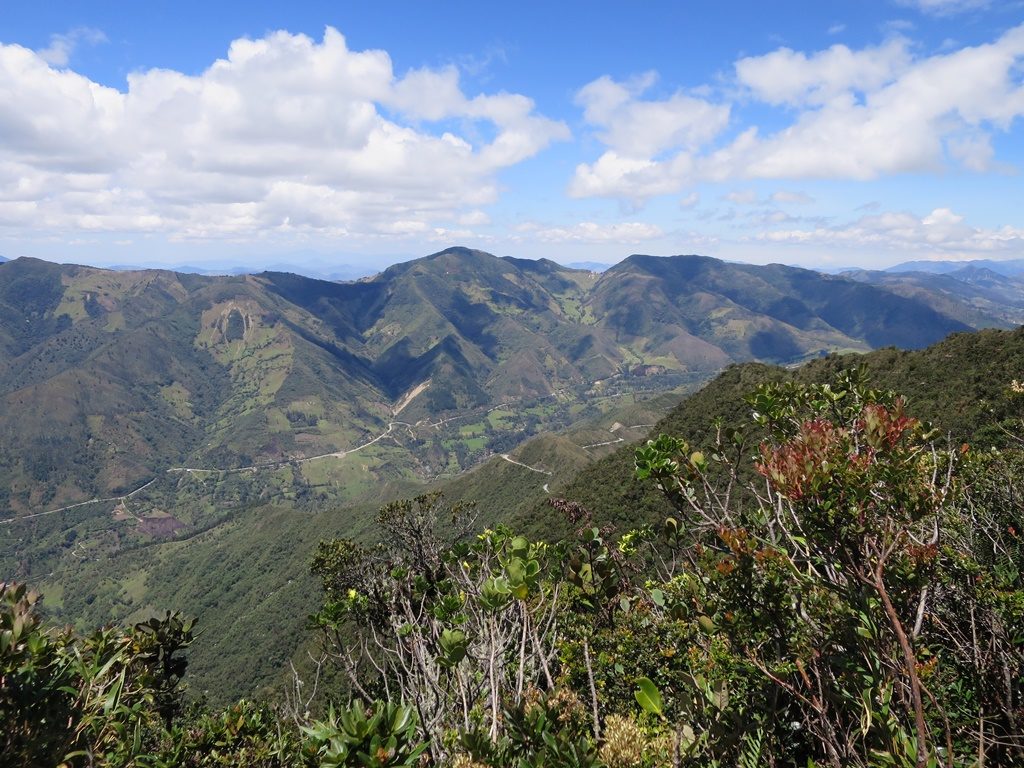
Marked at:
<point>171,439</point>
<point>109,379</point>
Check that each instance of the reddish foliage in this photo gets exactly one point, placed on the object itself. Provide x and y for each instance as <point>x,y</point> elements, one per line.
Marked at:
<point>794,467</point>
<point>821,449</point>
<point>882,428</point>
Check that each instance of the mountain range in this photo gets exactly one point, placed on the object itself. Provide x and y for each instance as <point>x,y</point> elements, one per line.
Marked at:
<point>179,440</point>
<point>1005,267</point>
<point>110,378</point>
<point>249,575</point>
<point>973,294</point>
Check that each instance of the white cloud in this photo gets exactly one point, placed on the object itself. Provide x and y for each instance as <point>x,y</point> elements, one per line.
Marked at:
<point>637,128</point>
<point>795,79</point>
<point>592,232</point>
<point>59,51</point>
<point>849,114</point>
<point>899,127</point>
<point>772,217</point>
<point>786,196</point>
<point>637,132</point>
<point>973,150</point>
<point>742,197</point>
<point>474,219</point>
<point>940,234</point>
<point>284,133</point>
<point>614,175</point>
<point>690,201</point>
<point>945,7</point>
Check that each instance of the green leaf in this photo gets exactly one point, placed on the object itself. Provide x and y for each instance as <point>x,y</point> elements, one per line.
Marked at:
<point>453,645</point>
<point>707,626</point>
<point>720,696</point>
<point>648,696</point>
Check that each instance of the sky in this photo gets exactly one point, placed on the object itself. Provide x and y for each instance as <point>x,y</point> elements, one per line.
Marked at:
<point>344,136</point>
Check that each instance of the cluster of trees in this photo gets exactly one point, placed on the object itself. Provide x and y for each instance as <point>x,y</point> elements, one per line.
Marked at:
<point>852,596</point>
<point>114,698</point>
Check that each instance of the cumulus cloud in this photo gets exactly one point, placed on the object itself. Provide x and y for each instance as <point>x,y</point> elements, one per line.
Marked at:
<point>940,234</point>
<point>634,127</point>
<point>901,126</point>
<point>284,133</point>
<point>650,142</point>
<point>59,51</point>
<point>848,114</point>
<point>592,232</point>
<point>614,175</point>
<point>945,7</point>
<point>796,79</point>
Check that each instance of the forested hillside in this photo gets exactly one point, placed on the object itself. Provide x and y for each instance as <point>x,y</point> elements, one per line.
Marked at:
<point>831,577</point>
<point>110,380</point>
<point>173,439</point>
<point>958,385</point>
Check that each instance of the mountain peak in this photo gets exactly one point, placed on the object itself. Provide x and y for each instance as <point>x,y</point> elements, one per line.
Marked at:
<point>683,266</point>
<point>461,252</point>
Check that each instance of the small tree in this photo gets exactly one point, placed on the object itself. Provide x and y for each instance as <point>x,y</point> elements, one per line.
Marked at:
<point>456,631</point>
<point>835,578</point>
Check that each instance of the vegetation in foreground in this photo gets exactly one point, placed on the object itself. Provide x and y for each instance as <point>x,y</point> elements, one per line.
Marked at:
<point>850,597</point>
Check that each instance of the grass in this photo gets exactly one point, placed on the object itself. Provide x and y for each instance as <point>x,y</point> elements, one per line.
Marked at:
<point>177,397</point>
<point>135,586</point>
<point>308,406</point>
<point>277,421</point>
<point>502,419</point>
<point>115,322</point>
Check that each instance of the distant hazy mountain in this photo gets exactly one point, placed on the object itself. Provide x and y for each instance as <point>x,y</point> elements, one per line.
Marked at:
<point>1009,267</point>
<point>319,272</point>
<point>974,294</point>
<point>107,377</point>
<point>590,266</point>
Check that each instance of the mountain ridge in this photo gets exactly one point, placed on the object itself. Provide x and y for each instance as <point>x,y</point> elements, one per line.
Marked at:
<point>136,372</point>
<point>1005,267</point>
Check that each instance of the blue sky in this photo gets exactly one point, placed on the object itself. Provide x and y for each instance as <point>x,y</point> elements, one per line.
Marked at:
<point>316,136</point>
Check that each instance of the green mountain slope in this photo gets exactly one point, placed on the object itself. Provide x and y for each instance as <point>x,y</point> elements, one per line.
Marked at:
<point>974,295</point>
<point>248,571</point>
<point>109,379</point>
<point>734,312</point>
<point>167,439</point>
<point>960,385</point>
